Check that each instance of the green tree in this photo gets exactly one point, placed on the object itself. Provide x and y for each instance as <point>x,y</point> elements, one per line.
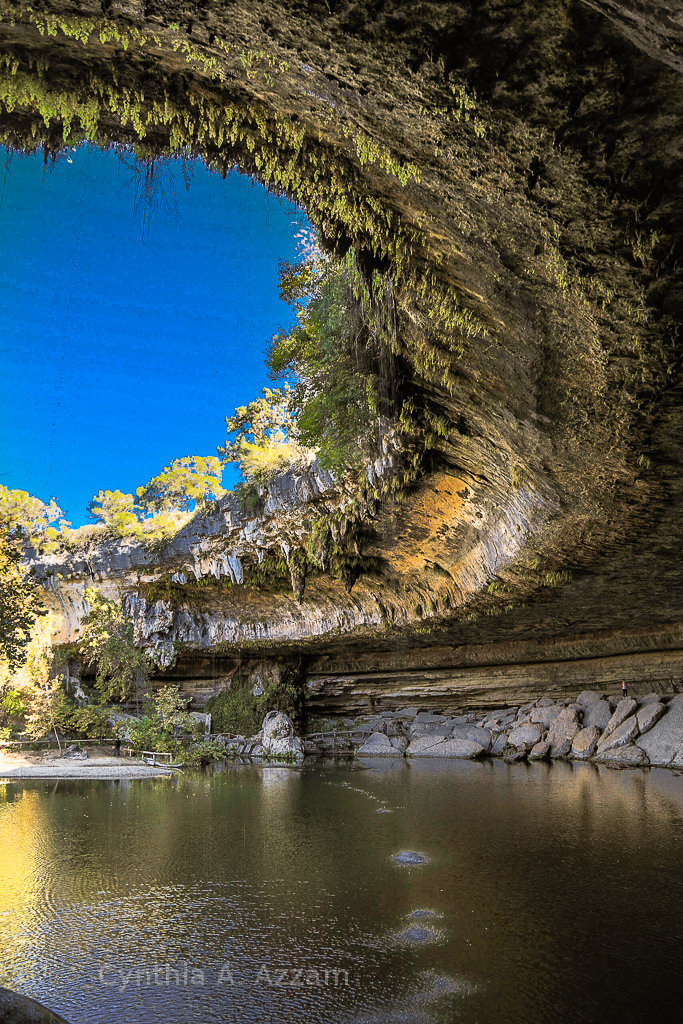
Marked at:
<point>42,693</point>
<point>116,510</point>
<point>108,642</point>
<point>192,480</point>
<point>20,602</point>
<point>23,516</point>
<point>265,436</point>
<point>336,363</point>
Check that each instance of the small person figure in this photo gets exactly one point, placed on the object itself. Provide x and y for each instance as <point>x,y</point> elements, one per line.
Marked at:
<point>623,689</point>
<point>117,747</point>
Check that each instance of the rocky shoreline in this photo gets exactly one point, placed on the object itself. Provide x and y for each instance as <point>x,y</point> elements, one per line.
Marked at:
<point>622,732</point>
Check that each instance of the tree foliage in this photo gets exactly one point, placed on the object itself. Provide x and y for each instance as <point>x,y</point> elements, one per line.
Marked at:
<point>23,516</point>
<point>265,437</point>
<point>330,356</point>
<point>42,693</point>
<point>20,602</point>
<point>108,642</point>
<point>192,480</point>
<point>158,508</point>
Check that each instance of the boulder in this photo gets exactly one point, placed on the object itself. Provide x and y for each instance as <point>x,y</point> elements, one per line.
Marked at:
<point>625,707</point>
<point>379,745</point>
<point>468,719</point>
<point>562,731</point>
<point>597,714</point>
<point>623,757</point>
<point>545,702</point>
<point>277,725</point>
<point>648,714</point>
<point>277,738</point>
<point>422,743</point>
<point>588,697</point>
<point>514,754</point>
<point>431,729</point>
<point>664,739</point>
<point>540,751</point>
<point>426,716</point>
<point>400,743</point>
<point>75,753</point>
<point>650,698</point>
<point>525,736</point>
<point>474,733</point>
<point>585,743</point>
<point>450,748</point>
<point>499,744</point>
<point>546,714</point>
<point>622,736</point>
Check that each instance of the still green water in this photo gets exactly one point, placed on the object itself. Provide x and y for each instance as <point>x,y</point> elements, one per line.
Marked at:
<point>550,893</point>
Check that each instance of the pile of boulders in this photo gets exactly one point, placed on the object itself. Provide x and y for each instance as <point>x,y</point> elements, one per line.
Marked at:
<point>623,732</point>
<point>274,742</point>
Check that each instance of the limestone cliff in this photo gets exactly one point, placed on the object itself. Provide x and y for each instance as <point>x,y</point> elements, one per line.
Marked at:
<point>510,179</point>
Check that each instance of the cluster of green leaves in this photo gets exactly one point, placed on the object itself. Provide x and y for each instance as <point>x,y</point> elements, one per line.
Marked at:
<point>161,504</point>
<point>20,603</point>
<point>265,437</point>
<point>108,642</point>
<point>239,712</point>
<point>25,517</point>
<point>331,358</point>
<point>163,723</point>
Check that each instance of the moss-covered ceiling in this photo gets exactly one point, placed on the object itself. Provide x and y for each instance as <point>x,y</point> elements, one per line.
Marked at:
<point>510,178</point>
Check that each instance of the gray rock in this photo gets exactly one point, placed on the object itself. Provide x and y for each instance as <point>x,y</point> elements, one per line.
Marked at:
<point>474,733</point>
<point>662,742</point>
<point>426,716</point>
<point>546,714</point>
<point>499,744</point>
<point>525,736</point>
<point>597,715</point>
<point>545,702</point>
<point>465,719</point>
<point>524,710</point>
<point>400,743</point>
<point>624,708</point>
<point>277,737</point>
<point>623,757</point>
<point>562,731</point>
<point>622,736</point>
<point>648,714</point>
<point>649,698</point>
<point>449,748</point>
<point>378,745</point>
<point>588,697</point>
<point>431,729</point>
<point>421,743</point>
<point>408,712</point>
<point>514,754</point>
<point>540,751</point>
<point>74,753</point>
<point>585,743</point>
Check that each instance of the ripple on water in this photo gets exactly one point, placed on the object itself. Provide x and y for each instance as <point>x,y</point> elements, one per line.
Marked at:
<point>409,857</point>
<point>418,935</point>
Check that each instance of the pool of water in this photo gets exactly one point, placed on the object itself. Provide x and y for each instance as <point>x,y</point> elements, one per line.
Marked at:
<point>544,893</point>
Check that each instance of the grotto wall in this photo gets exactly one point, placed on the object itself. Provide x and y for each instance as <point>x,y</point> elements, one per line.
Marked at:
<point>510,179</point>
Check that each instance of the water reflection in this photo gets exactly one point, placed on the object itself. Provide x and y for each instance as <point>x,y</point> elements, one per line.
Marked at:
<point>252,894</point>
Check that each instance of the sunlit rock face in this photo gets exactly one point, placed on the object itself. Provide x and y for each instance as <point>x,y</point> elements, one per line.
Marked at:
<point>514,172</point>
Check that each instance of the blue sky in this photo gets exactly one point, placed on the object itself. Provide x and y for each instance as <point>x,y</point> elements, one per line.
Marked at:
<point>120,353</point>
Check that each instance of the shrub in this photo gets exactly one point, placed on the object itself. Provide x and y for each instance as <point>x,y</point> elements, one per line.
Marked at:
<point>238,711</point>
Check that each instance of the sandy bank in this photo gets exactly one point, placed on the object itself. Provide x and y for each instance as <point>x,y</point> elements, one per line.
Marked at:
<point>35,766</point>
